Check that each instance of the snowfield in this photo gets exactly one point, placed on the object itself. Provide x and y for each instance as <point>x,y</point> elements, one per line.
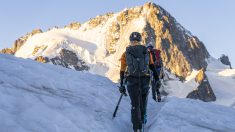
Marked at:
<point>220,77</point>
<point>184,115</point>
<point>41,98</point>
<point>37,97</point>
<point>222,81</point>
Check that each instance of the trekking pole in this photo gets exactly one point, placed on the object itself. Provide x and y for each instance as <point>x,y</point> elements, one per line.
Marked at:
<point>119,101</point>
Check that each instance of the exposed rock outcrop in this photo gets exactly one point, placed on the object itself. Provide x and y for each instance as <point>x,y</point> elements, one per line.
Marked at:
<point>7,51</point>
<point>38,49</point>
<point>70,60</point>
<point>74,25</point>
<point>69,57</point>
<point>204,91</point>
<point>101,19</point>
<point>225,60</point>
<point>19,42</point>
<point>66,59</point>
<point>42,59</point>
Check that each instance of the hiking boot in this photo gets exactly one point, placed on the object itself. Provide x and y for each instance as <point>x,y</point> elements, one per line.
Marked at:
<point>138,130</point>
<point>159,98</point>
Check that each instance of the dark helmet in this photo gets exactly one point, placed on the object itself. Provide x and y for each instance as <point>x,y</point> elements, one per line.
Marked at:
<point>135,36</point>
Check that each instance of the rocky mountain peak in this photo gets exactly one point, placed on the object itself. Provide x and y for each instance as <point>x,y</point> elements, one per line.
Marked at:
<point>19,42</point>
<point>181,51</point>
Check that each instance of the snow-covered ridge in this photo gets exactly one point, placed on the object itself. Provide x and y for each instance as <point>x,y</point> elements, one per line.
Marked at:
<point>101,41</point>
<point>89,43</point>
<point>41,97</point>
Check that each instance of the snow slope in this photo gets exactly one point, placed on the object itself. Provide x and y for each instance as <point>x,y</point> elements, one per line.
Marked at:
<point>184,115</point>
<point>89,43</point>
<point>222,80</point>
<point>56,39</point>
<point>40,98</point>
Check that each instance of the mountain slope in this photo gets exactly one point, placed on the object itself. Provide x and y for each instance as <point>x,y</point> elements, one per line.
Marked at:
<point>41,97</point>
<point>222,79</point>
<point>99,42</point>
<point>180,115</point>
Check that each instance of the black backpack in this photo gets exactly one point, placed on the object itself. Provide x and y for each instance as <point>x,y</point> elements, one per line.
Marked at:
<point>137,60</point>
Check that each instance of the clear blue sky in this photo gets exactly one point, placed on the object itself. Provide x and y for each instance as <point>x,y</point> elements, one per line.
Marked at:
<point>211,20</point>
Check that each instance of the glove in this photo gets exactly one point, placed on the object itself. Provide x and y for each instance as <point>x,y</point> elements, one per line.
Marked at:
<point>122,90</point>
<point>121,77</point>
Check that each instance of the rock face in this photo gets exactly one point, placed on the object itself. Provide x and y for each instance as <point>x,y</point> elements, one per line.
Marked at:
<point>225,60</point>
<point>7,51</point>
<point>204,91</point>
<point>19,42</point>
<point>181,51</point>
<point>66,59</point>
<point>74,25</point>
<point>42,59</point>
<point>101,19</point>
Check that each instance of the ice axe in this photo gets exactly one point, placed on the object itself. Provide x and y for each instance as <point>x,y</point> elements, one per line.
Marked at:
<point>119,101</point>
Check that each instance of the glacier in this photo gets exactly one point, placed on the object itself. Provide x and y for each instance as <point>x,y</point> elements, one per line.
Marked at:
<point>42,97</point>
